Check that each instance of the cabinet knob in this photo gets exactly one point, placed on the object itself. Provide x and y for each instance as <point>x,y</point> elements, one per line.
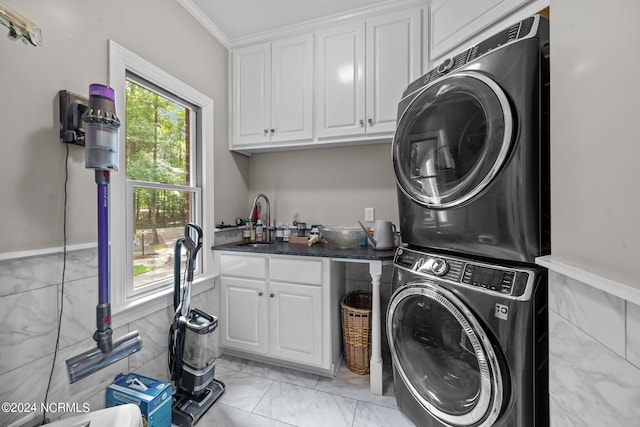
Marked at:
<point>260,294</point>
<point>266,132</point>
<point>370,122</point>
<point>272,295</point>
<point>273,131</point>
<point>361,123</point>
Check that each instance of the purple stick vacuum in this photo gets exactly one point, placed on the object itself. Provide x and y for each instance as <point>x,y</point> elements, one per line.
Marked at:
<point>101,154</point>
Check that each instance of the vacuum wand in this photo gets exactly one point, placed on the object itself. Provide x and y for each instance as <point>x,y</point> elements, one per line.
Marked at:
<point>101,154</point>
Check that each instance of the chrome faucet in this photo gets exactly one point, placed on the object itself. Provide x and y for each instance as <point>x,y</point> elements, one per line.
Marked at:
<point>267,233</point>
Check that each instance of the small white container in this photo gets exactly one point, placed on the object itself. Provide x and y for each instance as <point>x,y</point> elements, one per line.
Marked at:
<point>259,231</point>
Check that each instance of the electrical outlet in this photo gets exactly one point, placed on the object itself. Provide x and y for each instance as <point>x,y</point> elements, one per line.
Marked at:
<point>369,214</point>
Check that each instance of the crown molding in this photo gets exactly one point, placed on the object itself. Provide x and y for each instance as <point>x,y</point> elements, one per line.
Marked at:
<point>207,23</point>
<point>295,29</point>
<point>339,18</point>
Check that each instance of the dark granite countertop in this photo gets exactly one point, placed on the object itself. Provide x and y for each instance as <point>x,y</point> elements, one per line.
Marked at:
<point>317,250</point>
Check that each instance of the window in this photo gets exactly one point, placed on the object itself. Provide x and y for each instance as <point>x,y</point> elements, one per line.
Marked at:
<point>165,141</point>
<point>161,180</point>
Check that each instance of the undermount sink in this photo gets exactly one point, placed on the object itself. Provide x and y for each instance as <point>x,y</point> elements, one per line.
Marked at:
<point>255,244</point>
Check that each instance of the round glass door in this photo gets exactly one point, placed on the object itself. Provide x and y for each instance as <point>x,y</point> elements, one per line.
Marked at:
<point>443,356</point>
<point>452,140</point>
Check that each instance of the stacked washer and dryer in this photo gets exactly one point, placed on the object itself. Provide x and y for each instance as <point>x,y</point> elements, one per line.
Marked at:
<point>467,321</point>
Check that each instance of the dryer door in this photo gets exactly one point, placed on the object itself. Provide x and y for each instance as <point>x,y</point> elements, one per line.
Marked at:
<point>443,356</point>
<point>452,140</point>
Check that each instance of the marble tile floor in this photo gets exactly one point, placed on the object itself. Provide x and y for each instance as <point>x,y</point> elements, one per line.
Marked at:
<point>262,395</point>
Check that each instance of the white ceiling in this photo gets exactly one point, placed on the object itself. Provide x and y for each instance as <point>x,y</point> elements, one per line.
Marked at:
<point>237,19</point>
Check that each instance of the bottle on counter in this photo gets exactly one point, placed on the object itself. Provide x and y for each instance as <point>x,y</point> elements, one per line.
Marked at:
<point>279,232</point>
<point>252,232</point>
<point>246,232</point>
<point>286,234</point>
<point>259,231</point>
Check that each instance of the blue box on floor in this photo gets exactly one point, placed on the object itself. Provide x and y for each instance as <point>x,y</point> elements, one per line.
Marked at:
<point>153,397</point>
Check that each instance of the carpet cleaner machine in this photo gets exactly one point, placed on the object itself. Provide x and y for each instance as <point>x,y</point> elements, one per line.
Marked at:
<point>191,357</point>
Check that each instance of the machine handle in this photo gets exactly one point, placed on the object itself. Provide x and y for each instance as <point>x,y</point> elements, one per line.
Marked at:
<point>192,238</point>
<point>202,314</point>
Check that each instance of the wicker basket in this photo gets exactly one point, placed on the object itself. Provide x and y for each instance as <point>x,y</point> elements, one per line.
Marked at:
<point>356,331</point>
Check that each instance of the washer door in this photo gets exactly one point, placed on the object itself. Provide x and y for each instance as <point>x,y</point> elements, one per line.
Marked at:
<point>443,356</point>
<point>452,140</point>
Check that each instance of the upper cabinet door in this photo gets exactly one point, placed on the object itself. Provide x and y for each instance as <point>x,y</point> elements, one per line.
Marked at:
<point>292,89</point>
<point>393,61</point>
<point>454,21</point>
<point>340,81</point>
<point>251,93</point>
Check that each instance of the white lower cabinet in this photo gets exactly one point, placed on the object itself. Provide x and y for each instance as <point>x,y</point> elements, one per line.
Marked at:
<point>243,306</point>
<point>282,309</point>
<point>296,322</point>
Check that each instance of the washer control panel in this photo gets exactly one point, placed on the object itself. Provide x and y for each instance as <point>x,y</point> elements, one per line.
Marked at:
<point>489,278</point>
<point>506,281</point>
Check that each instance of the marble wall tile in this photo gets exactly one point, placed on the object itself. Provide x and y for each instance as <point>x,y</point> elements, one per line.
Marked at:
<point>156,368</point>
<point>25,384</point>
<point>597,313</point>
<point>590,383</point>
<point>557,417</point>
<point>633,333</point>
<point>27,274</point>
<point>154,330</point>
<point>78,391</point>
<point>305,407</point>
<point>79,310</point>
<point>29,327</point>
<point>81,264</point>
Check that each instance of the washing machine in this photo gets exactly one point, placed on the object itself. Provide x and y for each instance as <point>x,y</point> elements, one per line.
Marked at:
<point>471,149</point>
<point>468,341</point>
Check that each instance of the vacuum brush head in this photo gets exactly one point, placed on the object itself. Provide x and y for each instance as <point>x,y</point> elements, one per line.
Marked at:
<point>85,364</point>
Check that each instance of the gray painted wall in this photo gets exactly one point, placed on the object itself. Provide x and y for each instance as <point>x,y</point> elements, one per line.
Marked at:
<point>594,155</point>
<point>329,186</point>
<point>74,55</point>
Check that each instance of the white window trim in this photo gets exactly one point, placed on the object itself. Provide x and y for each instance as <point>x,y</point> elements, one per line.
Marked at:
<point>126,309</point>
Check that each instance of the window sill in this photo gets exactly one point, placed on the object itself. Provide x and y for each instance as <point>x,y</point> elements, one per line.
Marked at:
<point>142,306</point>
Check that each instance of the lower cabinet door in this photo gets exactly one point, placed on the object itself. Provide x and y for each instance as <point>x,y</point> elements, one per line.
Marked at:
<point>296,322</point>
<point>243,312</point>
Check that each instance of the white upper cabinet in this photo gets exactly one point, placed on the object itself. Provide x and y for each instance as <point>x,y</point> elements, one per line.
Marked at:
<point>362,69</point>
<point>292,89</point>
<point>455,21</point>
<point>345,88</point>
<point>340,80</point>
<point>251,94</point>
<point>272,92</point>
<point>393,61</point>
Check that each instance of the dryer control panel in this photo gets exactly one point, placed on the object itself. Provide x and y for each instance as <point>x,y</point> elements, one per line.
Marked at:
<point>495,278</point>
